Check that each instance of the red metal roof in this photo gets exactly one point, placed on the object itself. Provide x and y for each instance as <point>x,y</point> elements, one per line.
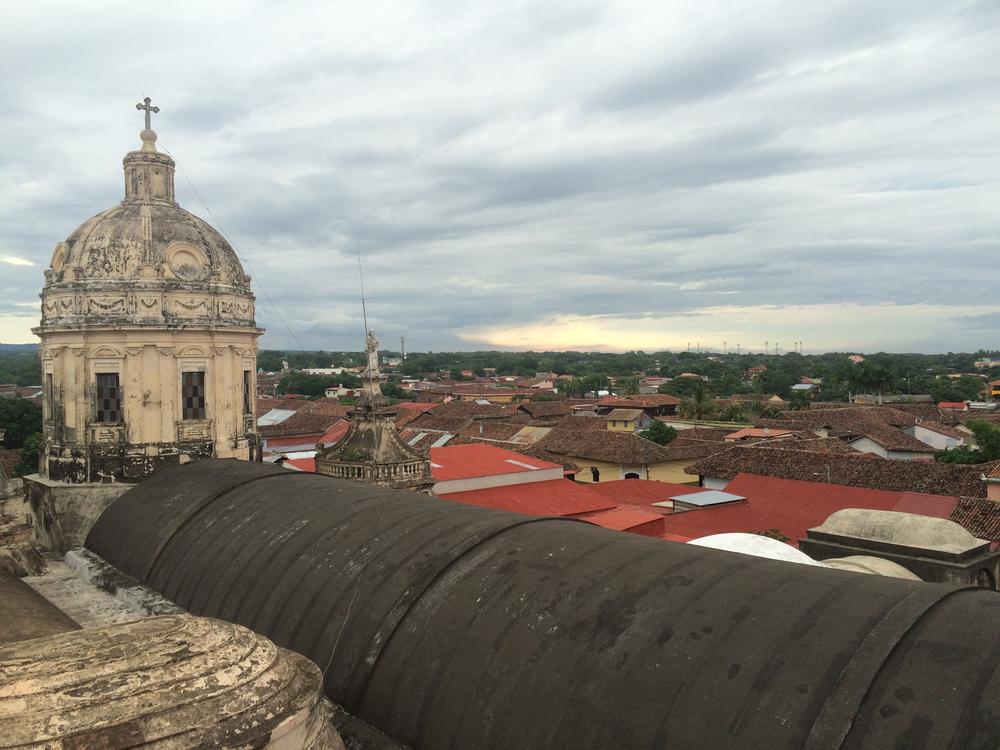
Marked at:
<point>480,460</point>
<point>336,432</point>
<point>301,464</point>
<point>792,506</point>
<point>555,497</point>
<point>628,518</point>
<point>642,492</point>
<point>953,405</point>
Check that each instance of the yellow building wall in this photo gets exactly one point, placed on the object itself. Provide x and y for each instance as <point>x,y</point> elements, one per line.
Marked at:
<point>608,471</point>
<point>672,471</point>
<point>149,364</point>
<point>667,471</point>
<point>620,425</point>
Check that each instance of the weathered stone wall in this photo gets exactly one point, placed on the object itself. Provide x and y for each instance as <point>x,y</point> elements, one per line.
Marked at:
<point>151,432</point>
<point>63,513</point>
<point>19,554</point>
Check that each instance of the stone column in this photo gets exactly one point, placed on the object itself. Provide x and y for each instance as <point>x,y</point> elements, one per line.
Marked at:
<point>169,379</point>
<point>133,413</point>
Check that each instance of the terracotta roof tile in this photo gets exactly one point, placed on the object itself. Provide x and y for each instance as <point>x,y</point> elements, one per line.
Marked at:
<point>300,424</point>
<point>546,408</point>
<point>980,516</point>
<point>943,429</point>
<point>850,469</point>
<point>641,402</point>
<point>614,447</point>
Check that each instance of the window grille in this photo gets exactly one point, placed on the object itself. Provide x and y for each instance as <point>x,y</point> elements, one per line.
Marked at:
<point>247,396</point>
<point>109,398</point>
<point>193,395</point>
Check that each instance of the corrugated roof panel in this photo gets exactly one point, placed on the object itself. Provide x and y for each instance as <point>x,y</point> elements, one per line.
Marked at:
<point>275,416</point>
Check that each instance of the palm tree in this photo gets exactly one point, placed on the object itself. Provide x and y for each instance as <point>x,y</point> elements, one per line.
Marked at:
<point>699,405</point>
<point>755,410</point>
<point>733,413</point>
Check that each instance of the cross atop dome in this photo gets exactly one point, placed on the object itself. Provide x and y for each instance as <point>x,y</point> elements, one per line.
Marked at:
<point>145,105</point>
<point>148,135</point>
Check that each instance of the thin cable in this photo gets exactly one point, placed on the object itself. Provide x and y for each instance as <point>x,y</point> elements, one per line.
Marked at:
<point>240,255</point>
<point>361,275</point>
<point>357,587</point>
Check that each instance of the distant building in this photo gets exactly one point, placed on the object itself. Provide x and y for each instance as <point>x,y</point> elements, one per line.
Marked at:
<point>628,420</point>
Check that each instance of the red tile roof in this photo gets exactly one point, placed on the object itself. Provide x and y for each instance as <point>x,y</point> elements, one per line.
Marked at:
<point>539,409</point>
<point>641,402</point>
<point>625,448</point>
<point>943,429</point>
<point>758,432</point>
<point>880,424</point>
<point>555,497</point>
<point>979,516</point>
<point>481,460</point>
<point>849,469</point>
<point>792,506</point>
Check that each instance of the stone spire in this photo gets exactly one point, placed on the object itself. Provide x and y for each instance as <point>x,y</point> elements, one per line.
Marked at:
<point>149,175</point>
<point>372,450</point>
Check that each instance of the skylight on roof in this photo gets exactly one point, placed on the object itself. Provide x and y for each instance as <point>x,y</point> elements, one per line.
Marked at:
<point>521,464</point>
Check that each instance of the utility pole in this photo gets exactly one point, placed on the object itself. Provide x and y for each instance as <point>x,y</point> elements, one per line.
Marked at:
<point>402,348</point>
<point>767,347</point>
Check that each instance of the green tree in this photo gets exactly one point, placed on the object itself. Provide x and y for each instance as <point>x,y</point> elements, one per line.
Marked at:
<point>733,412</point>
<point>800,400</point>
<point>659,433</point>
<point>314,386</point>
<point>19,417</point>
<point>699,405</point>
<point>28,461</point>
<point>760,410</point>
<point>987,446</point>
<point>629,386</point>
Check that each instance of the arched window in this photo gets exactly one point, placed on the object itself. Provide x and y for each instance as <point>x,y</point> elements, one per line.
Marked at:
<point>595,474</point>
<point>631,475</point>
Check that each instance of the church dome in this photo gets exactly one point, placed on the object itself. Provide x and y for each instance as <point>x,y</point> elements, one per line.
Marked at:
<point>146,261</point>
<point>148,241</point>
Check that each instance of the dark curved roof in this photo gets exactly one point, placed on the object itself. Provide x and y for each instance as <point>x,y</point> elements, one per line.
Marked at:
<point>451,626</point>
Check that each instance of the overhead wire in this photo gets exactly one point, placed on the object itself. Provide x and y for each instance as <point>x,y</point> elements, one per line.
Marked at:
<point>246,261</point>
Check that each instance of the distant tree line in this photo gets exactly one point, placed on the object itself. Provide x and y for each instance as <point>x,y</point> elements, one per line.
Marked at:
<point>724,374</point>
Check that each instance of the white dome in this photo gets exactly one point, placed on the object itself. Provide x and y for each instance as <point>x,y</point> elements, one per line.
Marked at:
<point>756,545</point>
<point>872,566</point>
<point>906,529</point>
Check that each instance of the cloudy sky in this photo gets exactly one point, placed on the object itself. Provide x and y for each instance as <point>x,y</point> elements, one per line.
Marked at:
<point>560,174</point>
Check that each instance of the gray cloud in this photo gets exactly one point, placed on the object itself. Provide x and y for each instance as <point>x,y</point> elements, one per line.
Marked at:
<point>500,165</point>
